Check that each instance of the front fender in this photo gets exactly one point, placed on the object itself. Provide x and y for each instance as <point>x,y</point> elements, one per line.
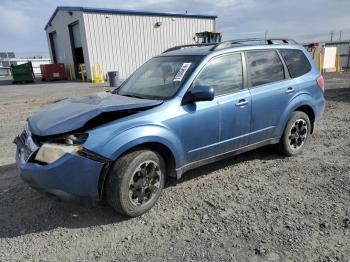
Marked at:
<point>298,101</point>
<point>135,136</point>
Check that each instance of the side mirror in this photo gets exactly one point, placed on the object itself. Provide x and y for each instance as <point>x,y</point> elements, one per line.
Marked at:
<point>202,93</point>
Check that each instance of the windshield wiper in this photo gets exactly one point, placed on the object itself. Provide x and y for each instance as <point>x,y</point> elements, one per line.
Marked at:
<point>128,95</point>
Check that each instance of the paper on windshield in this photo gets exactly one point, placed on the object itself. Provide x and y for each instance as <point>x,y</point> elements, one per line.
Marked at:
<point>181,73</point>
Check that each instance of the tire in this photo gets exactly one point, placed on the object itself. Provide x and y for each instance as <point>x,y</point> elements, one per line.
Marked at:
<point>135,182</point>
<point>295,136</point>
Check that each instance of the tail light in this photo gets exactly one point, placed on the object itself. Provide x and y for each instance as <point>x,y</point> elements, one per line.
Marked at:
<point>320,82</point>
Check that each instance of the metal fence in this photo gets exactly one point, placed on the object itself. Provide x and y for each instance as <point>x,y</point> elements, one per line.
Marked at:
<point>36,62</point>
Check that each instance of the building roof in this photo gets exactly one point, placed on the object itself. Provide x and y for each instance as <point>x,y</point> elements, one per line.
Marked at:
<point>124,12</point>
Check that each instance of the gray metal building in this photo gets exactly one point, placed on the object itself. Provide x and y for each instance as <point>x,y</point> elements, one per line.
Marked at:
<point>116,39</point>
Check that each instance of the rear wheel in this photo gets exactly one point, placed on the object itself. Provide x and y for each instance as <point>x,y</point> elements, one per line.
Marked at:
<point>295,134</point>
<point>135,182</point>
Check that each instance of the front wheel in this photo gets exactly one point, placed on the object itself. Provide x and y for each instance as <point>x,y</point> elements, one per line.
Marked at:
<point>135,182</point>
<point>295,134</point>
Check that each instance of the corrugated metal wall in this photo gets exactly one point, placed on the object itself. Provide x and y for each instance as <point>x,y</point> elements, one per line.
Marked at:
<point>124,42</point>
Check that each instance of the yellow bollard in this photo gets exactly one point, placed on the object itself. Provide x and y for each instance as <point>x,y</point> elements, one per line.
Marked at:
<point>100,73</point>
<point>82,72</point>
<point>93,74</point>
<point>337,63</point>
<point>70,73</point>
<point>97,75</point>
<point>319,62</point>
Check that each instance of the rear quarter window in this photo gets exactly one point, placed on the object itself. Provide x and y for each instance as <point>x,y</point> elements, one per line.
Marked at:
<point>296,62</point>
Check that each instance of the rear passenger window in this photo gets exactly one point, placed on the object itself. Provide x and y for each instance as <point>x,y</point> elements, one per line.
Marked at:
<point>223,73</point>
<point>296,61</point>
<point>264,67</point>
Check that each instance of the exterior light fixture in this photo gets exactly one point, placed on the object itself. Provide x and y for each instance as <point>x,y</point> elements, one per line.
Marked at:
<point>158,24</point>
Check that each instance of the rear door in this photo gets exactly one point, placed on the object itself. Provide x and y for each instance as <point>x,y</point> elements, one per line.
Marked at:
<point>271,90</point>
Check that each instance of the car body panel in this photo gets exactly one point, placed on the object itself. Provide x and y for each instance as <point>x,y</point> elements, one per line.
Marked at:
<point>268,104</point>
<point>71,176</point>
<point>71,114</point>
<point>235,114</point>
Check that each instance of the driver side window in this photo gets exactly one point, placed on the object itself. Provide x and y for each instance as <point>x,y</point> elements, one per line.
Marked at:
<point>223,73</point>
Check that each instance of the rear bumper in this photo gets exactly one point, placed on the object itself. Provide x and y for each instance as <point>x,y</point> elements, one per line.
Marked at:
<point>70,177</point>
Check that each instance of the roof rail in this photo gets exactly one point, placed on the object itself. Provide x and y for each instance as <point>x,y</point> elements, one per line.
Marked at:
<point>187,46</point>
<point>252,41</point>
<point>236,42</point>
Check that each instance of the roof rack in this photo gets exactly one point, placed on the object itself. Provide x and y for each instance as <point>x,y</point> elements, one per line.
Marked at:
<point>237,42</point>
<point>187,46</point>
<point>252,41</point>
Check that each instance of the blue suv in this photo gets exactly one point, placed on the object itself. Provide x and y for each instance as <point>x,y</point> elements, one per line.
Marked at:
<point>187,107</point>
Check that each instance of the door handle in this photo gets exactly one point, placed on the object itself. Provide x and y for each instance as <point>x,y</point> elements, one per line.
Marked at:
<point>290,90</point>
<point>242,102</point>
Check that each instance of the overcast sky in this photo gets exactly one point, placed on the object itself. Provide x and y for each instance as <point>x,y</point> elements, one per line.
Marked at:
<point>22,21</point>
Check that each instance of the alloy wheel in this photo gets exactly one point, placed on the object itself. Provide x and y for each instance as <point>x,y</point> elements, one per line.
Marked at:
<point>298,134</point>
<point>144,183</point>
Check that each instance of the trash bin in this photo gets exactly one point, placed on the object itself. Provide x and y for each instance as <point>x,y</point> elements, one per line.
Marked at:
<point>113,78</point>
<point>51,72</point>
<point>22,73</point>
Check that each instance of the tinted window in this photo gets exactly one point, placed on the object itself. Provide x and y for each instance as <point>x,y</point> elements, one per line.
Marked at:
<point>296,61</point>
<point>223,73</point>
<point>265,67</point>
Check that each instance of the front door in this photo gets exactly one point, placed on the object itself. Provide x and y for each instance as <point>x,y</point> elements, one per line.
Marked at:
<point>231,108</point>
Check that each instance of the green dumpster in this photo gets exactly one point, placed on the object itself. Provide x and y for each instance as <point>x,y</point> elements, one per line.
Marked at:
<point>23,73</point>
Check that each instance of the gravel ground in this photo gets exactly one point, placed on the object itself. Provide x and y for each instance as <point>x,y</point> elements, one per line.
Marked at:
<point>257,206</point>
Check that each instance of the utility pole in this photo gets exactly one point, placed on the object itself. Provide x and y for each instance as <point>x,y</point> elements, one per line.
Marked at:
<point>332,36</point>
<point>266,34</point>
<point>340,34</point>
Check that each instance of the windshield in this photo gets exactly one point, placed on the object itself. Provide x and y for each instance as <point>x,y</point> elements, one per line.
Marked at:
<point>160,77</point>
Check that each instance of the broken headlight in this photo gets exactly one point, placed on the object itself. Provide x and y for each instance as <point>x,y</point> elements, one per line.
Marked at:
<point>76,139</point>
<point>54,149</point>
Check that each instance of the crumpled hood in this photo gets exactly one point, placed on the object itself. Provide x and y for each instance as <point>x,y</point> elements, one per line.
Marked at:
<point>71,114</point>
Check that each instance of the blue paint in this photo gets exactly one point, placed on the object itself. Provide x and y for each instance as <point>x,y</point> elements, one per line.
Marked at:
<point>71,114</point>
<point>72,174</point>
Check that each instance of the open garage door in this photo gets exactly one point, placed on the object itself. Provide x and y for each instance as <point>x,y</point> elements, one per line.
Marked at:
<point>55,50</point>
<point>77,48</point>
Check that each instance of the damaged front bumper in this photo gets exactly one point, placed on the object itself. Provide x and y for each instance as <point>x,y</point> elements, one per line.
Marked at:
<point>70,177</point>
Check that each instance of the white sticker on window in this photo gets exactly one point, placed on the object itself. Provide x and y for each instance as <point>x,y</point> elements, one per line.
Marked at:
<point>180,74</point>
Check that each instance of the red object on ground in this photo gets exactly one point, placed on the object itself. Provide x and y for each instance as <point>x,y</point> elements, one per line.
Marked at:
<point>51,72</point>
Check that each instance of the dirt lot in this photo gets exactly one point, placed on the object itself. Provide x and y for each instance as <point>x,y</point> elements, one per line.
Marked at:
<point>257,206</point>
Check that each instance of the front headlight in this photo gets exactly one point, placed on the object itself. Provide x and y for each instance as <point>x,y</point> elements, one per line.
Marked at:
<point>49,153</point>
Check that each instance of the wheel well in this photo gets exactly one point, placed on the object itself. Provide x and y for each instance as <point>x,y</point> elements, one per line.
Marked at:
<point>161,149</point>
<point>310,113</point>
<point>166,153</point>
